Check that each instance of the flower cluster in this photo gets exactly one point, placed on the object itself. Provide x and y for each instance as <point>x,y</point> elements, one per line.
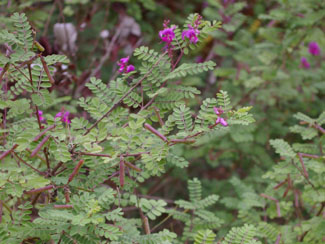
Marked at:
<point>314,50</point>
<point>167,35</point>
<point>40,113</point>
<point>123,65</point>
<point>191,33</point>
<point>220,120</point>
<point>64,116</point>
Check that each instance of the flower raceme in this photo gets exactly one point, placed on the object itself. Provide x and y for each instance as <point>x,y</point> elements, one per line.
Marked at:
<point>220,120</point>
<point>40,113</point>
<point>304,63</point>
<point>123,65</point>
<point>191,33</point>
<point>64,116</point>
<point>167,35</point>
<point>314,48</point>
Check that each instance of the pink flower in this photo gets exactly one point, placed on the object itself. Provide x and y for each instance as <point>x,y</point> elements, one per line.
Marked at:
<point>167,35</point>
<point>314,48</point>
<point>40,113</point>
<point>304,63</point>
<point>123,65</point>
<point>64,117</point>
<point>191,34</point>
<point>222,121</point>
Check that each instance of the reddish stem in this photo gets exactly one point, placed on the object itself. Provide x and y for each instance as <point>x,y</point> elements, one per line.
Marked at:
<point>75,170</point>
<point>63,206</point>
<point>122,172</point>
<point>6,153</point>
<point>154,131</point>
<point>40,189</point>
<point>39,146</point>
<point>36,138</point>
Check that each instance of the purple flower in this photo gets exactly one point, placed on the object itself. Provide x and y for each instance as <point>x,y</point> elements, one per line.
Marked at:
<point>123,65</point>
<point>64,117</point>
<point>314,48</point>
<point>124,60</point>
<point>191,34</point>
<point>304,63</point>
<point>129,68</point>
<point>222,121</point>
<point>167,35</point>
<point>40,113</point>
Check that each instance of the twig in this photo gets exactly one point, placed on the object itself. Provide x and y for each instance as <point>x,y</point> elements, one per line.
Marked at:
<point>276,202</point>
<point>155,132</point>
<point>122,172</point>
<point>36,138</point>
<point>4,154</point>
<point>40,145</point>
<point>27,164</point>
<point>47,71</point>
<point>38,190</point>
<point>75,171</point>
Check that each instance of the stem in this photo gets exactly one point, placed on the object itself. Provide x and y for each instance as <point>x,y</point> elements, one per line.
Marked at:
<point>36,138</point>
<point>6,153</point>
<point>39,146</point>
<point>27,164</point>
<point>47,71</point>
<point>154,131</point>
<point>75,171</point>
<point>40,189</point>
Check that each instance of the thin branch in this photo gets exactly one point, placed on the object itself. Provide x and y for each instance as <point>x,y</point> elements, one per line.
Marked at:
<point>4,154</point>
<point>36,138</point>
<point>39,146</point>
<point>27,164</point>
<point>47,71</point>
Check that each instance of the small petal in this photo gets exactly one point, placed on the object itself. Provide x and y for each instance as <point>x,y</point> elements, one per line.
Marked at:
<point>58,115</point>
<point>124,60</point>
<point>218,111</point>
<point>40,112</point>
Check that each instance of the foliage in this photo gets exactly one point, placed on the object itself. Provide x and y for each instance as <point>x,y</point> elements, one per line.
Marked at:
<point>117,172</point>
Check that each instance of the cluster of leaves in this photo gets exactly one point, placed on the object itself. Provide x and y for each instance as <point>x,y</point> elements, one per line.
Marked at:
<point>68,182</point>
<point>95,180</point>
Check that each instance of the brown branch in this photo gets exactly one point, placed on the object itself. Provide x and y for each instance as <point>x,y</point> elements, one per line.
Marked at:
<point>63,206</point>
<point>276,202</point>
<point>303,165</point>
<point>132,166</point>
<point>75,171</point>
<point>47,71</point>
<point>4,70</point>
<point>155,132</point>
<point>39,146</point>
<point>27,164</point>
<point>122,172</point>
<point>38,190</point>
<point>36,138</point>
<point>6,153</point>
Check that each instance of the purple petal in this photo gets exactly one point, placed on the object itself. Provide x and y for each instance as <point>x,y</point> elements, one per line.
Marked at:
<point>129,68</point>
